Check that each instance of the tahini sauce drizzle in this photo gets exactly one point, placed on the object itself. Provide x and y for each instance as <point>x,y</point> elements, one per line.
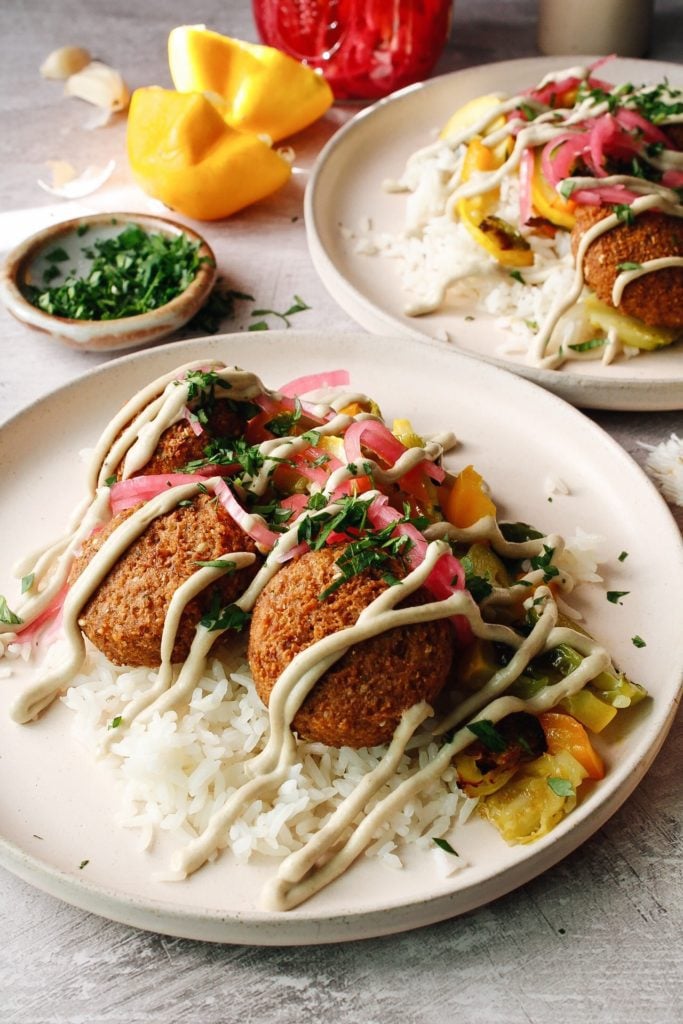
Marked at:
<point>545,127</point>
<point>301,874</point>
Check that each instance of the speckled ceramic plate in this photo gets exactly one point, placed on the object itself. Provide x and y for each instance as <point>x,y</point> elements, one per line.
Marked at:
<point>345,190</point>
<point>57,806</point>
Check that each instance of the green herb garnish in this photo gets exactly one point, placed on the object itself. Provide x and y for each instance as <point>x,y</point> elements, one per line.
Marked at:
<point>230,616</point>
<point>625,214</point>
<point>638,641</point>
<point>561,787</point>
<point>623,555</point>
<point>478,586</point>
<point>83,864</point>
<point>218,563</point>
<point>486,732</point>
<point>586,346</point>
<point>115,722</point>
<point>517,276</point>
<point>219,306</point>
<point>7,616</point>
<point>613,596</point>
<point>628,265</point>
<point>444,845</point>
<point>27,582</point>
<point>130,273</point>
<point>298,306</point>
<point>544,562</point>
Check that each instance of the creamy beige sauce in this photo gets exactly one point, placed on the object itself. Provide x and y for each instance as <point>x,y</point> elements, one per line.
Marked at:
<point>543,129</point>
<point>321,859</point>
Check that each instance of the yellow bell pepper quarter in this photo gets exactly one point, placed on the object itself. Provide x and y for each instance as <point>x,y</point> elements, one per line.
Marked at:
<point>264,91</point>
<point>183,153</point>
<point>493,234</point>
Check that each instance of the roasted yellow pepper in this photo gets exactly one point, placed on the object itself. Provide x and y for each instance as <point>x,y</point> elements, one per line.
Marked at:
<point>496,236</point>
<point>263,90</point>
<point>547,202</point>
<point>466,502</point>
<point>182,152</point>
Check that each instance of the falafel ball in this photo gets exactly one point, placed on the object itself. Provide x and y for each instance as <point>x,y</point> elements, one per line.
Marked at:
<point>125,616</point>
<point>180,445</point>
<point>656,298</point>
<point>359,700</point>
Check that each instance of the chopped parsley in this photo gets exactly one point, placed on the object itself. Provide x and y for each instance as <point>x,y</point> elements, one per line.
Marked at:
<point>628,265</point>
<point>561,787</point>
<point>219,563</point>
<point>282,425</point>
<point>444,845</point>
<point>228,452</point>
<point>625,214</point>
<point>7,616</point>
<point>486,732</point>
<point>298,306</point>
<point>219,306</point>
<point>220,618</point>
<point>623,555</point>
<point>544,562</point>
<point>27,582</point>
<point>115,722</point>
<point>586,346</point>
<point>614,596</point>
<point>638,641</point>
<point>131,273</point>
<point>517,276</point>
<point>83,864</point>
<point>478,586</point>
<point>376,550</point>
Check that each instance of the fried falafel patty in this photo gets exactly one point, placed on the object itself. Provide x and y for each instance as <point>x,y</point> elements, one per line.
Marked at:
<point>180,445</point>
<point>359,700</point>
<point>125,616</point>
<point>656,298</point>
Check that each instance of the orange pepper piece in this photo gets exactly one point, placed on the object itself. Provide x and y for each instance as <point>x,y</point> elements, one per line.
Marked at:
<point>562,732</point>
<point>467,502</point>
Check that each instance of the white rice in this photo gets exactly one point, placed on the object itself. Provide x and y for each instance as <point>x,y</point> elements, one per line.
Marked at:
<point>436,253</point>
<point>176,771</point>
<point>665,466</point>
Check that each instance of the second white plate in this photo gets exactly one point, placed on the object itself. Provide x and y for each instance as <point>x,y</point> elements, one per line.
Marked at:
<point>346,189</point>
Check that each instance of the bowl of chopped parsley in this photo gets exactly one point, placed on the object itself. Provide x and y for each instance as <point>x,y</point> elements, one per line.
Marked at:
<point>109,281</point>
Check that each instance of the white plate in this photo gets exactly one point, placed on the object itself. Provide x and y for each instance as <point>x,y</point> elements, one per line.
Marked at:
<point>57,805</point>
<point>346,188</point>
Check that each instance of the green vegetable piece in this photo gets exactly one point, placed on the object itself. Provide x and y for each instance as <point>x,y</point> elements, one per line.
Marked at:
<point>561,787</point>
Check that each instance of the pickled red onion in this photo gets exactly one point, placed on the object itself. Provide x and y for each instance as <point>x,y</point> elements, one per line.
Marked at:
<point>313,381</point>
<point>126,493</point>
<point>253,525</point>
<point>378,438</point>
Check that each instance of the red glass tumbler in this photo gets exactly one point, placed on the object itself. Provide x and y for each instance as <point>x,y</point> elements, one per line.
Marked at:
<point>365,48</point>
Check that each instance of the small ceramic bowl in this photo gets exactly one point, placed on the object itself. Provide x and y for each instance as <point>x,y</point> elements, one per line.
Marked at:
<point>26,265</point>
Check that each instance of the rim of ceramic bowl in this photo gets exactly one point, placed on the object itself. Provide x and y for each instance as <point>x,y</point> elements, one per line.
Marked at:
<point>117,333</point>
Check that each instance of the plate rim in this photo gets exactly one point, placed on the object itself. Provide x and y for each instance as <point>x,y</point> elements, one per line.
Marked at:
<point>646,394</point>
<point>262,927</point>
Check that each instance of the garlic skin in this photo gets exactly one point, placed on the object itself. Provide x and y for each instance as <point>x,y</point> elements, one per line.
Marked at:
<point>99,84</point>
<point>64,62</point>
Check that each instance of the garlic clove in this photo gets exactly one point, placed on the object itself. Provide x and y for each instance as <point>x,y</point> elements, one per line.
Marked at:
<point>65,61</point>
<point>99,84</point>
<point>68,185</point>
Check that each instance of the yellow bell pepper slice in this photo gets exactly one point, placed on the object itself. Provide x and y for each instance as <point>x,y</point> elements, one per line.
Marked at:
<point>182,152</point>
<point>469,114</point>
<point>547,202</point>
<point>496,236</point>
<point>264,91</point>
